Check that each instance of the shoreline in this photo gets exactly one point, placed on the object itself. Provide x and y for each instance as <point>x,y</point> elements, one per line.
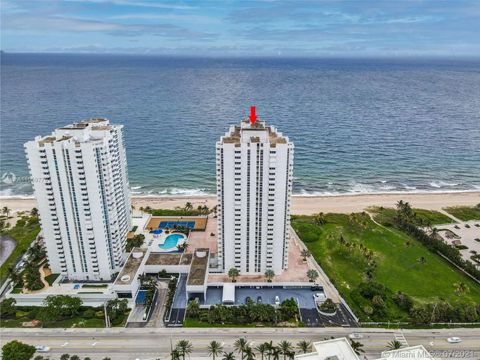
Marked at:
<point>301,204</point>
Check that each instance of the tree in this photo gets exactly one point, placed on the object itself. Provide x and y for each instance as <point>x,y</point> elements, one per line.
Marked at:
<point>233,273</point>
<point>262,349</point>
<point>33,280</point>
<point>188,206</point>
<point>285,348</point>
<point>394,345</point>
<point>269,274</point>
<point>184,347</point>
<point>65,357</point>
<point>461,288</point>
<point>34,212</point>
<point>6,211</point>
<point>357,346</point>
<point>116,308</point>
<point>422,260</point>
<point>74,357</point>
<point>214,349</point>
<point>305,254</point>
<point>16,350</point>
<point>319,219</point>
<point>193,309</point>
<point>174,354</point>
<point>312,275</point>
<point>7,308</point>
<point>304,346</point>
<point>228,356</point>
<point>240,346</point>
<point>56,306</point>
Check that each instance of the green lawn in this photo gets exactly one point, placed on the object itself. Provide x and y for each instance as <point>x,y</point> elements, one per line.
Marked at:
<point>382,215</point>
<point>203,324</point>
<point>23,235</point>
<point>398,265</point>
<point>465,213</point>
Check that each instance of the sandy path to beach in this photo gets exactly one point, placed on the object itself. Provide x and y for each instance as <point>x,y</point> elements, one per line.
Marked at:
<point>300,204</point>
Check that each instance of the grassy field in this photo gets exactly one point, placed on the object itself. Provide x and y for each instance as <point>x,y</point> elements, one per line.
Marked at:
<point>23,234</point>
<point>397,258</point>
<point>428,216</point>
<point>465,213</point>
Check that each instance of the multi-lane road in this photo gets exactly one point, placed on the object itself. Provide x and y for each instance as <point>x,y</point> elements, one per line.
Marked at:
<point>123,344</point>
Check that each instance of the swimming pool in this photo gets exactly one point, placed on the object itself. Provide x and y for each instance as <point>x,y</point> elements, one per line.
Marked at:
<point>171,241</point>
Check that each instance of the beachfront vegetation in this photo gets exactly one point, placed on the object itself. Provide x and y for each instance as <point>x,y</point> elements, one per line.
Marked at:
<point>406,220</point>
<point>24,232</point>
<point>247,314</point>
<point>377,269</point>
<point>187,210</point>
<point>465,213</point>
<point>423,217</point>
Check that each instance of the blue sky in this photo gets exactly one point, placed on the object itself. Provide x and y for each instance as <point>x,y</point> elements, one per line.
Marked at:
<point>270,28</point>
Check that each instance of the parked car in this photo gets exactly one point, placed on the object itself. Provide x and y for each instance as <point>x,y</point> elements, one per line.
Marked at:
<point>355,336</point>
<point>277,300</point>
<point>454,340</point>
<point>319,297</point>
<point>316,287</point>
<point>248,299</point>
<point>259,300</point>
<point>42,348</point>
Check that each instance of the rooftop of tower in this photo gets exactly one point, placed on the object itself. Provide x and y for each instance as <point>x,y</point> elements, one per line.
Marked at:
<point>78,131</point>
<point>248,132</point>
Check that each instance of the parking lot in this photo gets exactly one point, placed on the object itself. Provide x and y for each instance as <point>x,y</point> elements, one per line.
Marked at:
<point>266,295</point>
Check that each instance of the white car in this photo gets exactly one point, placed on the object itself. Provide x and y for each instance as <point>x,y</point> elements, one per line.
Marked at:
<point>277,300</point>
<point>42,348</point>
<point>454,340</point>
<point>354,336</point>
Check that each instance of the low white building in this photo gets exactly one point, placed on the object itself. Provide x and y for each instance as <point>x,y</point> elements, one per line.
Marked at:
<point>340,349</point>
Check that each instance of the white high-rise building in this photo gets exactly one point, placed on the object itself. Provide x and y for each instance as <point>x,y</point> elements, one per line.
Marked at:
<point>80,181</point>
<point>254,184</point>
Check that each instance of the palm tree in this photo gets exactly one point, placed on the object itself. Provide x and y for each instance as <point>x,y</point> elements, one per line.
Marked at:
<point>240,345</point>
<point>357,346</point>
<point>304,346</point>
<point>228,356</point>
<point>285,348</point>
<point>214,349</point>
<point>275,352</point>
<point>193,309</point>
<point>269,274</point>
<point>305,254</point>
<point>461,288</point>
<point>174,354</point>
<point>249,354</point>
<point>184,347</point>
<point>34,212</point>
<point>188,206</point>
<point>233,273</point>
<point>319,219</point>
<point>262,348</point>
<point>312,275</point>
<point>394,345</point>
<point>6,210</point>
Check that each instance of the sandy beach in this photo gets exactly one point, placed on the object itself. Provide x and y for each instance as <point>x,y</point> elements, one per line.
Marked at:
<point>300,204</point>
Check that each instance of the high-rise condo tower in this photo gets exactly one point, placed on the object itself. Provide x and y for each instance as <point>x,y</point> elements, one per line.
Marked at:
<point>80,182</point>
<point>254,164</point>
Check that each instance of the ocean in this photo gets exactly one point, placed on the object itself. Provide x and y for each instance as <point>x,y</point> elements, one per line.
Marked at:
<point>359,125</point>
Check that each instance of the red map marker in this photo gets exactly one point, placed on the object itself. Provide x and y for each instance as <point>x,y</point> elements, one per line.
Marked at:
<point>253,116</point>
